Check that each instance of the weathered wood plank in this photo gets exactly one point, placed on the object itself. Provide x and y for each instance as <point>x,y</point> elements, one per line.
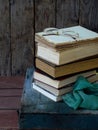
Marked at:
<point>44,14</point>
<point>11,82</point>
<point>10,92</point>
<point>4,38</point>
<point>18,52</point>
<point>67,13</point>
<point>89,14</point>
<point>22,35</point>
<point>10,103</point>
<point>8,120</point>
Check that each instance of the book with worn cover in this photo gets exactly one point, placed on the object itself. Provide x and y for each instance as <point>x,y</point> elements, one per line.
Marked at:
<point>56,94</point>
<point>65,89</point>
<point>47,94</point>
<point>66,37</point>
<point>60,57</point>
<point>66,69</point>
<point>39,76</point>
<point>66,45</point>
<point>53,90</point>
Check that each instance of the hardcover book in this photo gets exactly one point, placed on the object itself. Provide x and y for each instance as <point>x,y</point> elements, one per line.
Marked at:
<point>47,94</point>
<point>54,91</point>
<point>66,69</point>
<point>60,57</point>
<point>54,94</point>
<point>66,45</point>
<point>65,89</point>
<point>66,37</point>
<point>62,81</point>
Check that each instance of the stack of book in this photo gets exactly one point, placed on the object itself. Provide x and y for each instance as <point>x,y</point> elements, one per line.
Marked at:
<point>61,56</point>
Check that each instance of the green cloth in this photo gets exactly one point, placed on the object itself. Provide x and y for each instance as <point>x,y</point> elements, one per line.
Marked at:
<point>84,95</point>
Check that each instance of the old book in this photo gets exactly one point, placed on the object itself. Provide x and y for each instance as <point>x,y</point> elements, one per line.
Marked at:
<point>51,89</point>
<point>66,37</point>
<point>93,78</point>
<point>65,89</point>
<point>62,81</point>
<point>59,57</point>
<point>67,69</point>
<point>54,94</point>
<point>47,94</point>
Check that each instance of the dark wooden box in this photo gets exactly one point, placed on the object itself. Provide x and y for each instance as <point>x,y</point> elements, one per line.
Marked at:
<point>39,112</point>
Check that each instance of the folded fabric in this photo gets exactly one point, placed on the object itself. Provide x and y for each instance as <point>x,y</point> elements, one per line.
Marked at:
<point>84,95</point>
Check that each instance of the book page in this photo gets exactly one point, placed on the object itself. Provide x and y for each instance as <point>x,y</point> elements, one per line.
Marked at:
<point>68,35</point>
<point>56,39</point>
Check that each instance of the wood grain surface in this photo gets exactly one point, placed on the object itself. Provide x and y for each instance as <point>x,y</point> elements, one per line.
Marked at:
<point>4,38</point>
<point>44,14</point>
<point>89,14</point>
<point>22,35</point>
<point>67,13</point>
<point>20,19</point>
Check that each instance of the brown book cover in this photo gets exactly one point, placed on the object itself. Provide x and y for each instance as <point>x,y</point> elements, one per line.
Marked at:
<point>66,69</point>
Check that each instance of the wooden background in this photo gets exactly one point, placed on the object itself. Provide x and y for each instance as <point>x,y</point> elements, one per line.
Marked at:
<point>20,19</point>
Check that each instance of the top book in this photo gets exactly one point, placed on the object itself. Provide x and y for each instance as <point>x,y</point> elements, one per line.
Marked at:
<point>66,37</point>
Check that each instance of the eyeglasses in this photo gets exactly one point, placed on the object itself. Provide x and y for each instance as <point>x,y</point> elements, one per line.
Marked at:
<point>56,31</point>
